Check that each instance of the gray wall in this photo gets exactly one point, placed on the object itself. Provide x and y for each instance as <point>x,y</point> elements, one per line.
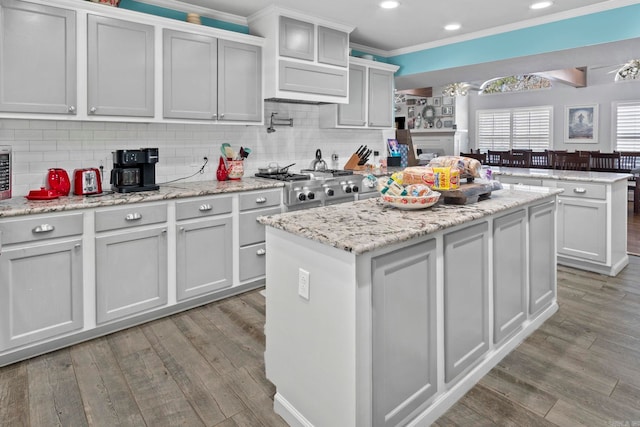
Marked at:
<point>600,90</point>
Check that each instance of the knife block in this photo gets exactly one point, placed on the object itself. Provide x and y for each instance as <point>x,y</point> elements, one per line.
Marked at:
<point>352,163</point>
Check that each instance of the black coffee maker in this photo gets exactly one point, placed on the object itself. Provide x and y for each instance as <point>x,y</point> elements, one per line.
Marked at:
<point>134,170</point>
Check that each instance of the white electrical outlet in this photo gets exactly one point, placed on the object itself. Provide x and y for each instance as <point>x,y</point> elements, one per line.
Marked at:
<point>303,283</point>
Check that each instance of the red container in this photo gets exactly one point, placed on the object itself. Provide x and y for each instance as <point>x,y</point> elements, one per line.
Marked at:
<point>59,182</point>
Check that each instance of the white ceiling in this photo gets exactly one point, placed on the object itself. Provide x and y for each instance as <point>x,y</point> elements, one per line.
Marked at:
<point>416,22</point>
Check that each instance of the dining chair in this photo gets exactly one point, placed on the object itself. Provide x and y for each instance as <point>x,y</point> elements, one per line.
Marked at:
<point>630,162</point>
<point>539,159</point>
<point>604,162</point>
<point>481,157</point>
<point>571,161</point>
<point>495,157</point>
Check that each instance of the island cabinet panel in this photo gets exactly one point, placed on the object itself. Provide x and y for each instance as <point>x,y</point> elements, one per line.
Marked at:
<point>509,274</point>
<point>542,256</point>
<point>466,303</point>
<point>37,58</point>
<point>404,317</point>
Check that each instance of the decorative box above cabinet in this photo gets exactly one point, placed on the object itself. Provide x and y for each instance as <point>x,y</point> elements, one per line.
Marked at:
<point>306,58</point>
<point>37,58</point>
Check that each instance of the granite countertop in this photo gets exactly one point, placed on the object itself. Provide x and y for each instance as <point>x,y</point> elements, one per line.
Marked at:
<point>19,205</point>
<point>366,225</point>
<point>605,177</point>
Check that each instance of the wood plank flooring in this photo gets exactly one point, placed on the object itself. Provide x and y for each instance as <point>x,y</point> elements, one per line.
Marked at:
<point>205,367</point>
<point>633,231</point>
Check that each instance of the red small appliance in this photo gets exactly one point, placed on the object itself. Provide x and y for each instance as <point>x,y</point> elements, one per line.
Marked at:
<point>87,181</point>
<point>59,182</point>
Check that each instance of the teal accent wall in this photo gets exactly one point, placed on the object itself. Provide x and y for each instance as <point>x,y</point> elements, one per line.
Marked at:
<point>180,16</point>
<point>602,27</point>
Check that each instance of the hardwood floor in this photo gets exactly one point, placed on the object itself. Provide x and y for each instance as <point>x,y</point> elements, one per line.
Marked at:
<point>205,367</point>
<point>633,231</point>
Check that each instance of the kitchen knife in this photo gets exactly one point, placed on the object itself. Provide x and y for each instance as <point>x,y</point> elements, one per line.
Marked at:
<point>358,151</point>
<point>362,151</point>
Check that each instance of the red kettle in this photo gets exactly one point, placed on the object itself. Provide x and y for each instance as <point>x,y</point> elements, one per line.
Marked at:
<point>59,182</point>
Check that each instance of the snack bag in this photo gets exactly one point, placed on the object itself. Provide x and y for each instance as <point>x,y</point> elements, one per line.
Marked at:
<point>446,178</point>
<point>466,165</point>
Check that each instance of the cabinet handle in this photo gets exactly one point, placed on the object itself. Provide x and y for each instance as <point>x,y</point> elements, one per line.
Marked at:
<point>261,200</point>
<point>580,190</point>
<point>93,110</point>
<point>205,207</point>
<point>133,216</point>
<point>261,252</point>
<point>215,116</point>
<point>77,245</point>
<point>72,109</point>
<point>44,228</point>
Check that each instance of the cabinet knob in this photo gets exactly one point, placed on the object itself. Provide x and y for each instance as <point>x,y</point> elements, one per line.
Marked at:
<point>261,252</point>
<point>44,228</point>
<point>221,116</point>
<point>206,207</point>
<point>215,116</point>
<point>72,109</point>
<point>93,110</point>
<point>261,200</point>
<point>133,216</point>
<point>182,229</point>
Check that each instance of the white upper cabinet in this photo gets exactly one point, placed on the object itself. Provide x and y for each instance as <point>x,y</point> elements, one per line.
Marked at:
<point>120,65</point>
<point>306,58</point>
<point>83,61</point>
<point>370,98</point>
<point>37,58</point>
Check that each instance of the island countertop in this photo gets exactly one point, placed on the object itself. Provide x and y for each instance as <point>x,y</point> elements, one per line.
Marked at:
<point>21,206</point>
<point>564,175</point>
<point>366,225</point>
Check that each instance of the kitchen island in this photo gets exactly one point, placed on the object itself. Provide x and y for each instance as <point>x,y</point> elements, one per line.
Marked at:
<point>380,317</point>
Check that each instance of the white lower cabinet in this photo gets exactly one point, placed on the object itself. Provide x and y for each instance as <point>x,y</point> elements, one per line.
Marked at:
<point>251,232</point>
<point>40,278</point>
<point>131,260</point>
<point>582,226</point>
<point>509,274</point>
<point>404,317</point>
<point>466,300</point>
<point>204,258</point>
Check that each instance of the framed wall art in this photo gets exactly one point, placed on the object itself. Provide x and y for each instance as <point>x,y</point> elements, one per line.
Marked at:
<point>581,124</point>
<point>447,110</point>
<point>437,101</point>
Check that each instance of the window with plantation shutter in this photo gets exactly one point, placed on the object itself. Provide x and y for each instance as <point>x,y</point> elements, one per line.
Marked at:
<point>519,128</point>
<point>627,126</point>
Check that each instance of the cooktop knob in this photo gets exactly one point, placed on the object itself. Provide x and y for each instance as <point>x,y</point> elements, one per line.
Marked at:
<point>311,195</point>
<point>302,197</point>
<point>329,192</point>
<point>347,189</point>
<point>354,188</point>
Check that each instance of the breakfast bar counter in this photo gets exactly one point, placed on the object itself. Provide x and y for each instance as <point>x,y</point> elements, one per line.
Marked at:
<point>377,316</point>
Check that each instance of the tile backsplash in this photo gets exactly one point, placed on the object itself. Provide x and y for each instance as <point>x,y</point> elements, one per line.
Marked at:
<point>42,144</point>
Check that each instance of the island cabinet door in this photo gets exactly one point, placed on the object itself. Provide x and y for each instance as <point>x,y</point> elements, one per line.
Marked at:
<point>466,303</point>
<point>542,256</point>
<point>404,331</point>
<point>509,274</point>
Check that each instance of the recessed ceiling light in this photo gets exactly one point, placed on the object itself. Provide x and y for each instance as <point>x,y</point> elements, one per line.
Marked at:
<point>541,5</point>
<point>452,27</point>
<point>389,4</point>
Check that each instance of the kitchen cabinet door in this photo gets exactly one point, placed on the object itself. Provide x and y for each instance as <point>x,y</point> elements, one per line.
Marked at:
<point>582,226</point>
<point>120,67</point>
<point>131,272</point>
<point>509,274</point>
<point>355,113</point>
<point>297,39</point>
<point>37,58</point>
<point>40,291</point>
<point>204,256</point>
<point>404,317</point>
<point>380,98</point>
<point>542,256</point>
<point>190,76</point>
<point>239,82</point>
<point>466,303</point>
<point>333,46</point>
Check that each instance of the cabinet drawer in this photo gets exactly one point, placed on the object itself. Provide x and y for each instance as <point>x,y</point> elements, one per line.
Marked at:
<point>583,190</point>
<point>251,231</point>
<point>130,216</point>
<point>310,78</point>
<point>29,229</point>
<point>203,207</point>
<point>252,261</point>
<point>260,200</point>
<point>519,180</point>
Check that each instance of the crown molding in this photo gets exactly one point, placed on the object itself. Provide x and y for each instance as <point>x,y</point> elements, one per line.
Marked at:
<point>202,11</point>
